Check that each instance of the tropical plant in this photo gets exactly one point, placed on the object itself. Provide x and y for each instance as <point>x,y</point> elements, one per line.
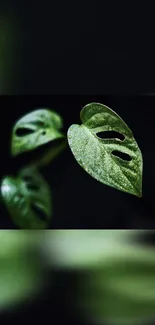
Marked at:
<point>103,145</point>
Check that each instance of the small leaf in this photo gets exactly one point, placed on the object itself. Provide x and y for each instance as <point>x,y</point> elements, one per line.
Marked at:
<point>36,129</point>
<point>115,159</point>
<point>28,199</point>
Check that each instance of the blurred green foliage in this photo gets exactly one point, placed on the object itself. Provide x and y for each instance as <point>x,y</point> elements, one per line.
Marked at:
<point>116,281</point>
<point>115,272</point>
<point>20,271</point>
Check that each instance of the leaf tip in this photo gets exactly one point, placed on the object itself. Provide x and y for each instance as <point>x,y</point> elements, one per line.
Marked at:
<point>139,194</point>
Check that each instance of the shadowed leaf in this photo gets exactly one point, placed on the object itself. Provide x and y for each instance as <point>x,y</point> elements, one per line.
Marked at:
<point>28,199</point>
<point>36,129</point>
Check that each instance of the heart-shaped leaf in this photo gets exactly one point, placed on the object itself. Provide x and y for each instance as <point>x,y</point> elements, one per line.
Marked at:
<point>28,199</point>
<point>105,147</point>
<point>36,129</point>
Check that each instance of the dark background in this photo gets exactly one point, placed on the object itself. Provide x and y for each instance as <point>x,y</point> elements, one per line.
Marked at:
<point>86,48</point>
<point>55,305</point>
<point>81,47</point>
<point>79,201</point>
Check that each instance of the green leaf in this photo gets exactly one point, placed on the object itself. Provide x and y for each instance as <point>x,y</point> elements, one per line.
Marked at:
<point>89,249</point>
<point>123,290</point>
<point>105,148</point>
<point>84,249</point>
<point>115,272</point>
<point>36,129</point>
<point>28,199</point>
<point>20,271</point>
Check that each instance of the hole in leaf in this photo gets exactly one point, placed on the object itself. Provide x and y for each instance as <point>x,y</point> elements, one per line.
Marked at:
<point>43,132</point>
<point>21,132</point>
<point>40,213</point>
<point>30,183</point>
<point>121,155</point>
<point>32,186</point>
<point>110,135</point>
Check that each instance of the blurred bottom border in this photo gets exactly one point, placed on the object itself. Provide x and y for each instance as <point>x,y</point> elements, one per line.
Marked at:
<point>78,276</point>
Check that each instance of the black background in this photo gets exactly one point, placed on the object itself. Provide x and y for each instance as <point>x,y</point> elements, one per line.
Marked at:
<point>86,48</point>
<point>79,201</point>
<point>81,47</point>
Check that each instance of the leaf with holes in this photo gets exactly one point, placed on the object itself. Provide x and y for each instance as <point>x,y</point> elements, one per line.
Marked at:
<point>28,199</point>
<point>105,147</point>
<point>37,129</point>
